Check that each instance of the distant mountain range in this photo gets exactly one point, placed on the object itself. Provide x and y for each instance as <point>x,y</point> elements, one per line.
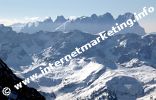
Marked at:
<point>93,24</point>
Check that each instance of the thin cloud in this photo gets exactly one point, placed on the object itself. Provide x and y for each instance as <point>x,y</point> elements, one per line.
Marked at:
<point>8,22</point>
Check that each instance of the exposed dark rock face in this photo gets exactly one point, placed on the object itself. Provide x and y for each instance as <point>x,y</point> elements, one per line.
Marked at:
<point>8,79</point>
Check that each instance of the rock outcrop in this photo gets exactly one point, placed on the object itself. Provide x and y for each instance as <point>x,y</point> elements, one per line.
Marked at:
<point>8,79</point>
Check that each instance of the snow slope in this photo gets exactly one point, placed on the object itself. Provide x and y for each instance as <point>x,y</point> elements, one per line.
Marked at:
<point>121,67</point>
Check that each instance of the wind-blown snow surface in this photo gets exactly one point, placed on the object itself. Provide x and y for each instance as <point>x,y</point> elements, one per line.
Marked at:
<point>123,66</point>
<point>80,79</point>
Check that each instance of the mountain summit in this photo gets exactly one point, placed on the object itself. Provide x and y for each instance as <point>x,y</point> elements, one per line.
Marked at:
<point>93,24</point>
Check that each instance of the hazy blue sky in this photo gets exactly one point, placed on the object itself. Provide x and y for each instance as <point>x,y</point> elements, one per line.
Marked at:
<point>18,10</point>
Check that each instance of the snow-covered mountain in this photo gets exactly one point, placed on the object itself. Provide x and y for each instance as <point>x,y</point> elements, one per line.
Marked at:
<point>45,25</point>
<point>93,24</point>
<point>18,26</point>
<point>123,65</point>
<point>119,68</point>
